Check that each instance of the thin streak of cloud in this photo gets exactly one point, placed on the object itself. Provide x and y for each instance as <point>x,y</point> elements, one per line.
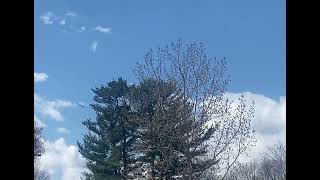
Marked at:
<point>47,18</point>
<point>50,18</point>
<point>81,29</point>
<point>70,13</point>
<point>101,29</point>
<point>63,131</point>
<point>93,46</point>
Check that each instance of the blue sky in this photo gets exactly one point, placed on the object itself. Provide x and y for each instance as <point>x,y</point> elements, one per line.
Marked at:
<point>250,34</point>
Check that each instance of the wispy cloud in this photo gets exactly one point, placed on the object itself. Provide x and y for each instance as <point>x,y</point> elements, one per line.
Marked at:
<point>62,22</point>
<point>63,131</point>
<point>70,13</point>
<point>50,108</point>
<point>40,77</point>
<point>50,18</point>
<point>93,46</point>
<point>81,29</point>
<point>101,29</point>
<point>47,18</point>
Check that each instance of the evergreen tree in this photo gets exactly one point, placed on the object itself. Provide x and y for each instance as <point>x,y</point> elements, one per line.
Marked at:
<point>108,145</point>
<point>170,140</point>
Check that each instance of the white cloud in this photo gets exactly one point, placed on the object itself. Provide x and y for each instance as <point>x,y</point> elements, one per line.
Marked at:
<point>51,18</point>
<point>70,13</point>
<point>93,46</point>
<point>102,29</point>
<point>50,108</point>
<point>40,77</point>
<point>63,131</point>
<point>82,29</point>
<point>47,18</point>
<point>62,159</point>
<point>62,22</point>
<point>269,121</point>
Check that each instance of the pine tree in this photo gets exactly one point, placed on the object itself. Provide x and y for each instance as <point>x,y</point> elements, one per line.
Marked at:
<point>171,141</point>
<point>108,145</point>
<point>151,102</point>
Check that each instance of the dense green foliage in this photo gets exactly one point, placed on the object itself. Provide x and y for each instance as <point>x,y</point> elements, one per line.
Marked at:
<point>108,145</point>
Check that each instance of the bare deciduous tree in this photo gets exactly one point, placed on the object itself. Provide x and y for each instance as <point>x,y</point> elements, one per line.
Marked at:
<point>272,166</point>
<point>38,148</point>
<point>40,174</point>
<point>248,171</point>
<point>273,163</point>
<point>203,82</point>
<point>234,135</point>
